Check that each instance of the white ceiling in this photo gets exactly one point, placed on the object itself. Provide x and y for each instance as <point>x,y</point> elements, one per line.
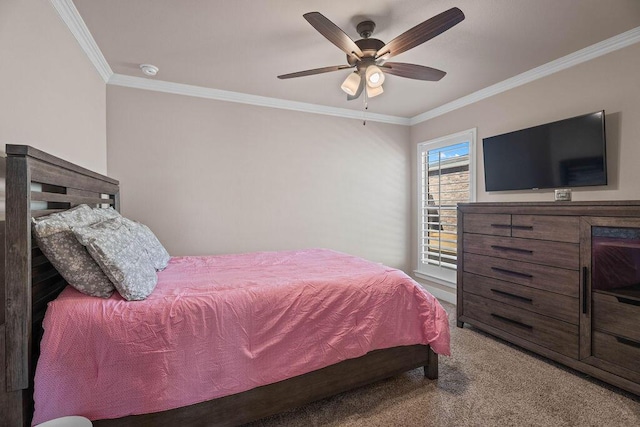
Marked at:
<point>242,45</point>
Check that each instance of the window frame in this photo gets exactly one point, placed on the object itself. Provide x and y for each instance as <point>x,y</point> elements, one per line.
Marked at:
<point>437,274</point>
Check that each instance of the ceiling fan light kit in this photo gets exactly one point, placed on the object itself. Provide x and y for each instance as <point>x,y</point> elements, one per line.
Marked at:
<point>351,83</point>
<point>374,91</point>
<point>375,77</point>
<point>369,56</point>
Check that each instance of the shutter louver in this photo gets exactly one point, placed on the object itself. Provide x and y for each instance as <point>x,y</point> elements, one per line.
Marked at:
<point>445,182</point>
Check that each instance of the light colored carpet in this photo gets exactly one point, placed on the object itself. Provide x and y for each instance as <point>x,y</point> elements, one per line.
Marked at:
<point>486,382</point>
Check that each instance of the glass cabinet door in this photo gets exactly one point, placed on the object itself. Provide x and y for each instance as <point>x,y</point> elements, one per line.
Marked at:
<point>610,296</point>
<point>615,261</point>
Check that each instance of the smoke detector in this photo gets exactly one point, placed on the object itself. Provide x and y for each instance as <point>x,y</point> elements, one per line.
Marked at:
<point>149,70</point>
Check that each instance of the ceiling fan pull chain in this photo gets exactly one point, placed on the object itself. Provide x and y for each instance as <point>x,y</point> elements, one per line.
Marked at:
<point>365,101</point>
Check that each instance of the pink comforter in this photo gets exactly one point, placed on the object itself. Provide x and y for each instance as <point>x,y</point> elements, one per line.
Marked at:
<point>220,325</point>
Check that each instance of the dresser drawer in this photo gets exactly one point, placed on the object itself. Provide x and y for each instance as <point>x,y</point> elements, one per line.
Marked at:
<point>617,350</point>
<point>496,224</point>
<point>616,315</point>
<point>553,334</point>
<point>560,307</point>
<point>557,254</point>
<point>546,227</point>
<point>551,279</point>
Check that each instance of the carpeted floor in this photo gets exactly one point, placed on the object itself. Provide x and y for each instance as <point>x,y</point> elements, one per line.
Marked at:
<point>486,382</point>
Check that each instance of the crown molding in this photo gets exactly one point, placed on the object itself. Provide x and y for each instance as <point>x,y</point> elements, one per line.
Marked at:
<point>583,55</point>
<point>70,15</point>
<point>243,98</point>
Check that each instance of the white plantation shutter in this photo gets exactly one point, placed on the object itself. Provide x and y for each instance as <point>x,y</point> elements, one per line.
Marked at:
<point>445,179</point>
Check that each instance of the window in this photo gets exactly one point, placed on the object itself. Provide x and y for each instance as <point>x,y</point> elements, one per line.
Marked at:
<point>445,178</point>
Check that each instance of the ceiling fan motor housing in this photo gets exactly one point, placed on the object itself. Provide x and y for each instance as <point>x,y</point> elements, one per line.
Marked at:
<point>368,46</point>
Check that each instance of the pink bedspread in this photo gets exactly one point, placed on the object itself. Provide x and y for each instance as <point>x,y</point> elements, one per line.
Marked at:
<point>220,325</point>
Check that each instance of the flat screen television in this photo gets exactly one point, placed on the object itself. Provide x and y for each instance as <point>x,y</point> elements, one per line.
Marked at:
<point>566,153</point>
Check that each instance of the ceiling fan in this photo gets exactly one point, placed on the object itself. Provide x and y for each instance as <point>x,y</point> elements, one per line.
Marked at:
<point>369,56</point>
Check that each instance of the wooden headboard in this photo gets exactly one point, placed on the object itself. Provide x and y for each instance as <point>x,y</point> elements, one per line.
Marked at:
<point>37,184</point>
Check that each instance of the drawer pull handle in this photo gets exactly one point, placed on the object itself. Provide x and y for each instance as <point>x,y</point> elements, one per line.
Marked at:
<point>507,248</point>
<point>628,342</point>
<point>522,227</point>
<point>585,282</point>
<point>501,225</point>
<point>514,322</point>
<point>507,294</point>
<point>514,273</point>
<point>628,301</point>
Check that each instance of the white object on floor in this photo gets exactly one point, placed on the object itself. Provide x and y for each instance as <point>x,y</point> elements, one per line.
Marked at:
<point>71,421</point>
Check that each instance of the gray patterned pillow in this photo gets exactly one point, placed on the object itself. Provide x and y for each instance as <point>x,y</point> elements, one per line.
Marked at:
<point>156,252</point>
<point>106,213</point>
<point>58,243</point>
<point>120,256</point>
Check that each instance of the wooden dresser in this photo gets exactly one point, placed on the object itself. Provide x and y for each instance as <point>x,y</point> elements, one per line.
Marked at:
<point>526,274</point>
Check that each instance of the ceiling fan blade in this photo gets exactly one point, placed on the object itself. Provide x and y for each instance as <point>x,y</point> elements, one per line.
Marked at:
<point>422,32</point>
<point>314,71</point>
<point>359,91</point>
<point>333,33</point>
<point>413,71</point>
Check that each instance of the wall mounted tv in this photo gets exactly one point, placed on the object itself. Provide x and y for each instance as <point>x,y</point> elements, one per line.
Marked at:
<point>566,153</point>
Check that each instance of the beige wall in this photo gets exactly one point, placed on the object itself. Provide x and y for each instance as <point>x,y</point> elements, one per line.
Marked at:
<point>252,178</point>
<point>51,96</point>
<point>610,82</point>
<point>214,177</point>
<point>607,83</point>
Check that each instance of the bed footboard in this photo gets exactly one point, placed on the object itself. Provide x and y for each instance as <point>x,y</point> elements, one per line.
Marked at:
<point>431,368</point>
<point>297,391</point>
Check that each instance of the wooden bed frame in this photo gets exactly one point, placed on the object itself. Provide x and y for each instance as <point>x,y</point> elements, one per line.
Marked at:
<point>34,177</point>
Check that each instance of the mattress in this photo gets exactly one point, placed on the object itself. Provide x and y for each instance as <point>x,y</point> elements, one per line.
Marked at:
<point>220,325</point>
